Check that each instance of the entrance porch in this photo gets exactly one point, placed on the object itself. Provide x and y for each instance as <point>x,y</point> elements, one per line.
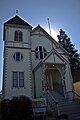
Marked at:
<point>54,78</point>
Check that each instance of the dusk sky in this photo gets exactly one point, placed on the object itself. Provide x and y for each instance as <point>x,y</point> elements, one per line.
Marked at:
<point>63,14</point>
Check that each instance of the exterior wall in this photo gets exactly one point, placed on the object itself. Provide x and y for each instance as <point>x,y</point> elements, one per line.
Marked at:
<point>36,41</point>
<point>10,33</point>
<point>38,82</point>
<point>23,66</point>
<point>41,40</point>
<point>10,65</point>
<point>27,48</point>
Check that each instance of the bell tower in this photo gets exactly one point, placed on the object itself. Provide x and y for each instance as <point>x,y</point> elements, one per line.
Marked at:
<point>17,55</point>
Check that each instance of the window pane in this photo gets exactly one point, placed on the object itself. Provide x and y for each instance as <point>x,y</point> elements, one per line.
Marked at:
<point>14,56</point>
<point>15,75</point>
<point>41,55</point>
<point>21,56</point>
<point>15,83</point>
<point>21,83</point>
<point>20,36</point>
<point>44,50</point>
<point>37,49</point>
<point>40,48</point>
<point>21,79</point>
<point>36,54</point>
<point>21,75</point>
<point>15,79</point>
<point>45,54</point>
<point>17,56</point>
<point>16,36</point>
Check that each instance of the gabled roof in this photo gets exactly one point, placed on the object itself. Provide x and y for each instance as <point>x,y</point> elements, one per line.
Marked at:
<point>39,28</point>
<point>18,21</point>
<point>50,58</point>
<point>55,54</point>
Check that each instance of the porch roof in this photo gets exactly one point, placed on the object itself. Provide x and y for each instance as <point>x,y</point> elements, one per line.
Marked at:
<point>52,58</point>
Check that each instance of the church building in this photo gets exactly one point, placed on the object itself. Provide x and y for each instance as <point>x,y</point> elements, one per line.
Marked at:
<point>33,62</point>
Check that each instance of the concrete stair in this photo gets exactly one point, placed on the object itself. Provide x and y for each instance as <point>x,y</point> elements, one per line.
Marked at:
<point>70,107</point>
<point>65,106</point>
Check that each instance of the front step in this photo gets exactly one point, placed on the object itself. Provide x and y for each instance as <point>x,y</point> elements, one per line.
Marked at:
<point>72,108</point>
<point>65,106</point>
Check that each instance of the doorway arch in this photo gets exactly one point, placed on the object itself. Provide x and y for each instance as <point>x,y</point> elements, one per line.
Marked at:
<point>53,80</point>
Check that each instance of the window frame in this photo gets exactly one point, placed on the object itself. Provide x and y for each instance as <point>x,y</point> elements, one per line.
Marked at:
<point>40,52</point>
<point>13,83</point>
<point>21,79</point>
<point>17,80</point>
<point>18,36</point>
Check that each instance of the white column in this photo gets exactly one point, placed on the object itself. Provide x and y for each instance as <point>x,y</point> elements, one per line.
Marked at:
<point>43,78</point>
<point>63,80</point>
<point>51,81</point>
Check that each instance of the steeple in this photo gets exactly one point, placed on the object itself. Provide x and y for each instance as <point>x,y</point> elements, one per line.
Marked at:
<point>16,21</point>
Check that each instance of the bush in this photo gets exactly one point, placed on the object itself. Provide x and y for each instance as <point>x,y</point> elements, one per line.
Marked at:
<point>19,108</point>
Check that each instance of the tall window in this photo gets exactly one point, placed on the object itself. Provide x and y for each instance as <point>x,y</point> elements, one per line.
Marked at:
<point>40,52</point>
<point>15,79</point>
<point>21,79</point>
<point>18,35</point>
<point>18,79</point>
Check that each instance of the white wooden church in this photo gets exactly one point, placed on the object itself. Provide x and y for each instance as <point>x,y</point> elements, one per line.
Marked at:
<point>33,62</point>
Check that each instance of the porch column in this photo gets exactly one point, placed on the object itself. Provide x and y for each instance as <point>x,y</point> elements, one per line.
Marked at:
<point>51,81</point>
<point>63,79</point>
<point>43,78</point>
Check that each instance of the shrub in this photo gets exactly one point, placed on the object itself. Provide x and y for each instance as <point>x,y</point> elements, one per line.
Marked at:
<point>19,108</point>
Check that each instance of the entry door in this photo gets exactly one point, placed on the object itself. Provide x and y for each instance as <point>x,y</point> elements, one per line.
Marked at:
<point>48,82</point>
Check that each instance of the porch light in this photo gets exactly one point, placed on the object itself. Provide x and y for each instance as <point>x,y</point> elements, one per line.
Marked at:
<point>53,65</point>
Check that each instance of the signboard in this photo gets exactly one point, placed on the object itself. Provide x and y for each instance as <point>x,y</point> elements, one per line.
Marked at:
<point>39,106</point>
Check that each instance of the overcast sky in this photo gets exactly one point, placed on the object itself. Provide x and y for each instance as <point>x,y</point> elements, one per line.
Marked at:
<point>63,14</point>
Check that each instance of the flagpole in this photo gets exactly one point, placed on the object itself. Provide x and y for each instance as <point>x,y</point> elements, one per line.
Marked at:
<point>50,31</point>
<point>49,26</point>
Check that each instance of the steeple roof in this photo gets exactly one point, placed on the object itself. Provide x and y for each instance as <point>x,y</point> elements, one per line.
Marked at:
<point>18,21</point>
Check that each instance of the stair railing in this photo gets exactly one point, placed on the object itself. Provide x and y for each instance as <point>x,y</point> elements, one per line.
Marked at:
<point>52,102</point>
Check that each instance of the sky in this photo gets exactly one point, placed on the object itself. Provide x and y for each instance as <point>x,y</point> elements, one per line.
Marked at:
<point>62,14</point>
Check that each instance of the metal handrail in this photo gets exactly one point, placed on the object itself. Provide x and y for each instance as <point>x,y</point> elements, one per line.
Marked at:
<point>52,97</point>
<point>56,102</point>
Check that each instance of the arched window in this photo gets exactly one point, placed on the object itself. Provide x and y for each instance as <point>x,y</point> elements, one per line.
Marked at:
<point>40,52</point>
<point>18,35</point>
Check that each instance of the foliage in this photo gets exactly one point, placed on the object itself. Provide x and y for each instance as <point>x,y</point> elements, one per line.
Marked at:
<point>65,42</point>
<point>16,109</point>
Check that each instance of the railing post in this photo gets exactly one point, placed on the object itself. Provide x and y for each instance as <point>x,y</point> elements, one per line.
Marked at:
<point>57,106</point>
